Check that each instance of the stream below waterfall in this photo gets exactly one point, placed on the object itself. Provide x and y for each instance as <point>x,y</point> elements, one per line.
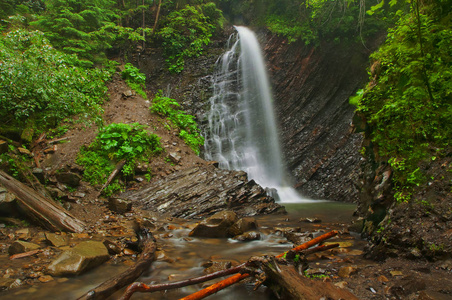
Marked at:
<point>185,257</point>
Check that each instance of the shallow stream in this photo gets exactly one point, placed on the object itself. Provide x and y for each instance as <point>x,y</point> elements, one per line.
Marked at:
<point>187,255</point>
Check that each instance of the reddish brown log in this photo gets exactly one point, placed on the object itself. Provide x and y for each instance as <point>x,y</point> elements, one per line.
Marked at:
<point>236,278</point>
<point>143,288</point>
<point>25,254</point>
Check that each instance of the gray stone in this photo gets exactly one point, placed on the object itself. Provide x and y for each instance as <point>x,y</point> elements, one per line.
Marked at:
<point>215,226</point>
<point>174,157</point>
<point>84,256</point>
<point>119,205</point>
<point>21,247</point>
<point>69,178</point>
<point>57,240</point>
<point>243,225</point>
<point>112,247</point>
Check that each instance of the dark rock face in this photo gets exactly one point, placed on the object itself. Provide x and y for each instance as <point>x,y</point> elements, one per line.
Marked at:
<point>202,191</point>
<point>311,92</point>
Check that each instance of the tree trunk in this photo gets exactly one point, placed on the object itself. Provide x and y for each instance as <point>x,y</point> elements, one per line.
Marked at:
<point>288,284</point>
<point>156,17</point>
<point>47,212</point>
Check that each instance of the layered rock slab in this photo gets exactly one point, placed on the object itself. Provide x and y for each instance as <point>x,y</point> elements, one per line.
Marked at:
<point>201,191</point>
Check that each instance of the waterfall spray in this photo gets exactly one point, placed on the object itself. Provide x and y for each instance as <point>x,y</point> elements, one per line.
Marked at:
<point>242,132</point>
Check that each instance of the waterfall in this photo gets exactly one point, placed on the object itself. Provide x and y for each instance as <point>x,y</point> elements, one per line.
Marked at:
<point>241,132</point>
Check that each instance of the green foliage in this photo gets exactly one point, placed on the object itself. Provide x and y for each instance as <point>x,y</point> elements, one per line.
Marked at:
<point>408,103</point>
<point>186,32</point>
<point>74,26</point>
<point>39,83</point>
<point>134,79</point>
<point>114,143</point>
<point>189,131</point>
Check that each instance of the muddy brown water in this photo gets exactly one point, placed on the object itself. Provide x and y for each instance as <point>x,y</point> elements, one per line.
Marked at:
<point>190,254</point>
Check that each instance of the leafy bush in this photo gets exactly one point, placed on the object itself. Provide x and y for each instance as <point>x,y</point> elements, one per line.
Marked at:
<point>408,102</point>
<point>185,34</point>
<point>75,27</point>
<point>189,131</point>
<point>134,79</point>
<point>42,85</point>
<point>114,143</point>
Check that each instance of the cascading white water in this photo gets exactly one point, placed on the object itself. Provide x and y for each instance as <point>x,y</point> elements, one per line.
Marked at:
<point>242,132</point>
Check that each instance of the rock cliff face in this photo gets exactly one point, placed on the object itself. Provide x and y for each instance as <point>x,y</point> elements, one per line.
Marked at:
<point>311,90</point>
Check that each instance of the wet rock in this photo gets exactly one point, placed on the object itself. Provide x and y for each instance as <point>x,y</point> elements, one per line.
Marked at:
<point>69,178</point>
<point>21,247</point>
<point>57,240</point>
<point>84,256</point>
<point>215,266</point>
<point>243,225</point>
<point>248,236</point>
<point>310,220</point>
<point>112,247</point>
<point>215,226</point>
<point>23,234</point>
<point>200,191</point>
<point>119,205</point>
<point>346,272</point>
<point>296,237</point>
<point>45,278</point>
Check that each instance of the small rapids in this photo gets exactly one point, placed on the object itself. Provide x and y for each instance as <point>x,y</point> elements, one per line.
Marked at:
<point>186,257</point>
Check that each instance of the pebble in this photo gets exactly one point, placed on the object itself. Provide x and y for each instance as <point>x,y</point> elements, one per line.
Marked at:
<point>45,278</point>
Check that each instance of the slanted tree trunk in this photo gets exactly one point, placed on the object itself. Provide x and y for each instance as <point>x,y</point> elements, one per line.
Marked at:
<point>45,211</point>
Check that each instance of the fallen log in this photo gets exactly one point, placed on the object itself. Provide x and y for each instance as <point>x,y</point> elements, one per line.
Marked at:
<point>44,210</point>
<point>285,282</point>
<point>107,288</point>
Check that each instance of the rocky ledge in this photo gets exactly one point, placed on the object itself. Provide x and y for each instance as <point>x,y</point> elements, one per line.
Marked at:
<point>201,191</point>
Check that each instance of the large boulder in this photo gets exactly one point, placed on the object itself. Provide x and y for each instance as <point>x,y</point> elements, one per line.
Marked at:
<point>243,225</point>
<point>84,256</point>
<point>201,191</point>
<point>216,226</point>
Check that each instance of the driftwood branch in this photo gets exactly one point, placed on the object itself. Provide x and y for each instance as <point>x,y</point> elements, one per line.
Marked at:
<point>236,278</point>
<point>113,174</point>
<point>114,284</point>
<point>46,211</point>
<point>143,288</point>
